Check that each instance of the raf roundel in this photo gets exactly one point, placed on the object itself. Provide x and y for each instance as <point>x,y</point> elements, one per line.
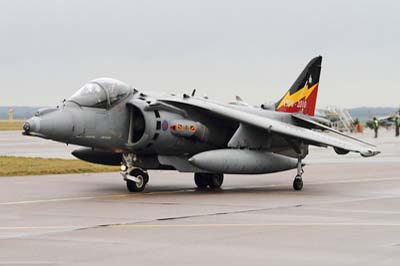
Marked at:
<point>165,125</point>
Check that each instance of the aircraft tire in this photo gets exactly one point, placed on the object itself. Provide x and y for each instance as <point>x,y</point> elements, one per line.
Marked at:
<point>298,184</point>
<point>216,180</point>
<point>201,180</point>
<point>137,187</point>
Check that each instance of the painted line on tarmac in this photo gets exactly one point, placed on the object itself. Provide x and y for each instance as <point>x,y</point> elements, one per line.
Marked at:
<point>254,225</point>
<point>5,228</point>
<point>365,180</point>
<point>60,199</point>
<point>38,227</point>
<point>124,195</point>
<point>227,189</point>
<point>360,180</point>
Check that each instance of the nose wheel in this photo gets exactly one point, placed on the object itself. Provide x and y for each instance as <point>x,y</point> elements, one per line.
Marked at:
<point>298,180</point>
<point>137,180</point>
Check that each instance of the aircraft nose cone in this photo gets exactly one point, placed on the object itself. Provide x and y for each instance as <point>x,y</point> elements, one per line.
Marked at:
<point>26,127</point>
<point>31,125</point>
<point>56,125</point>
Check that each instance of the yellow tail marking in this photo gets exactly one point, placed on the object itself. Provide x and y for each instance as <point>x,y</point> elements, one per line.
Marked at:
<point>290,100</point>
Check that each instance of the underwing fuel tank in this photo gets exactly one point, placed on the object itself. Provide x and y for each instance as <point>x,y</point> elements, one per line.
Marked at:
<point>237,161</point>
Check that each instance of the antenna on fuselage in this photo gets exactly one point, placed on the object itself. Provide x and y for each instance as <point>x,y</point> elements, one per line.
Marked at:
<point>239,99</point>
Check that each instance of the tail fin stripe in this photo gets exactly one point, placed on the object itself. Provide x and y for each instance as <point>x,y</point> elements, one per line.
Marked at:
<point>291,99</point>
<point>302,95</point>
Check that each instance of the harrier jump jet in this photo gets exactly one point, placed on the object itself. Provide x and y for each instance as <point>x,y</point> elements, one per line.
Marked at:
<point>120,125</point>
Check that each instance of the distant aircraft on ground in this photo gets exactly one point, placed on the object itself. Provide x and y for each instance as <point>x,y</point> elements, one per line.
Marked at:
<point>120,125</point>
<point>384,121</point>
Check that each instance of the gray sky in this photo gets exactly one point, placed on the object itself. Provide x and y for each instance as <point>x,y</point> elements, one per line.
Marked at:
<point>254,49</point>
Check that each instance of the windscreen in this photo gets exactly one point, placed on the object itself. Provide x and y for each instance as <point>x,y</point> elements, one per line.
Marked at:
<point>101,93</point>
<point>90,95</point>
<point>116,89</point>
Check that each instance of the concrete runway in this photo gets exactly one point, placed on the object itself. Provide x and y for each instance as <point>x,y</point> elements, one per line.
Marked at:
<point>347,214</point>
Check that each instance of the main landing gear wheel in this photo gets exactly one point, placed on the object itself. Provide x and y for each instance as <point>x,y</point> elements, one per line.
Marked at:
<point>200,180</point>
<point>297,183</point>
<point>298,180</point>
<point>216,180</point>
<point>138,181</point>
<point>213,181</point>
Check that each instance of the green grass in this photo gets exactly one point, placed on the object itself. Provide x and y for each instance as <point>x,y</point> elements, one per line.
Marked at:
<point>22,166</point>
<point>11,125</point>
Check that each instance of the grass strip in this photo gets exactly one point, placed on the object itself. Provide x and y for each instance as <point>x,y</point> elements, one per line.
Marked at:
<point>22,166</point>
<point>11,125</point>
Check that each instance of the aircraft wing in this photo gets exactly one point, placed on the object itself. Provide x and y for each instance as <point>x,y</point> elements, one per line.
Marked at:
<point>388,117</point>
<point>271,125</point>
<point>317,125</point>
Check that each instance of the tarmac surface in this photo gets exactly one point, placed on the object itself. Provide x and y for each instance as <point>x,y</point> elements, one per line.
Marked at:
<point>348,213</point>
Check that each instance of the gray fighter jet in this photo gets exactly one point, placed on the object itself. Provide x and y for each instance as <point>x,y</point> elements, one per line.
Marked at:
<point>120,125</point>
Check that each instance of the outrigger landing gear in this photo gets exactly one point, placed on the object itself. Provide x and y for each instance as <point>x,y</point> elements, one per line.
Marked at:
<point>204,180</point>
<point>136,178</point>
<point>298,180</point>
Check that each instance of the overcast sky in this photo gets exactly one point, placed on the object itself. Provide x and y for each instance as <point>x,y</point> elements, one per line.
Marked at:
<point>254,49</point>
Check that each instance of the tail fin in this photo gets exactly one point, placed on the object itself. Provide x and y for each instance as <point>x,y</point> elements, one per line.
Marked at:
<point>302,95</point>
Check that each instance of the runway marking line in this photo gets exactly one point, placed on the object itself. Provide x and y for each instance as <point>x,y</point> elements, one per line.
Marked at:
<point>3,228</point>
<point>253,225</point>
<point>38,227</point>
<point>355,181</point>
<point>126,195</point>
<point>182,191</point>
<point>63,199</point>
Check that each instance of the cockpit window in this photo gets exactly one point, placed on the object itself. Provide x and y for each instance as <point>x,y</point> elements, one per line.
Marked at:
<point>115,88</point>
<point>90,95</point>
<point>101,93</point>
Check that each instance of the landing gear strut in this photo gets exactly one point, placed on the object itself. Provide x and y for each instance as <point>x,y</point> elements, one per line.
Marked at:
<point>204,180</point>
<point>298,180</point>
<point>136,178</point>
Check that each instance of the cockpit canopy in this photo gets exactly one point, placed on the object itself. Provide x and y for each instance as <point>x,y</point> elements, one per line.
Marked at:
<point>101,93</point>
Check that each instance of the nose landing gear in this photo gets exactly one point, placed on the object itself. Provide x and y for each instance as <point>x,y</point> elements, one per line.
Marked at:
<point>136,178</point>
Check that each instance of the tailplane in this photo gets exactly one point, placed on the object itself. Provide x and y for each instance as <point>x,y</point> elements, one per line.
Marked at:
<point>302,95</point>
